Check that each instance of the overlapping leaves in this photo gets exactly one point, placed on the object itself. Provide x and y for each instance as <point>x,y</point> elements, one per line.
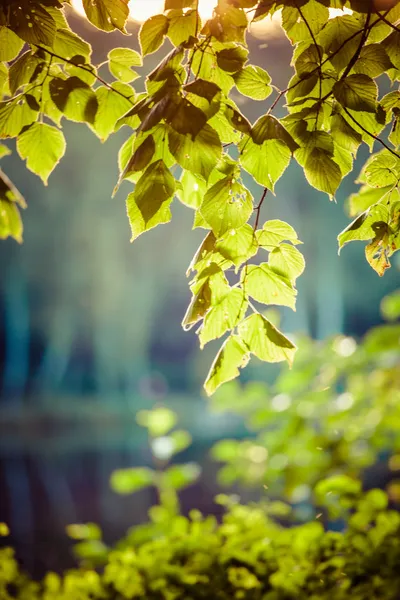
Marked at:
<point>191,141</point>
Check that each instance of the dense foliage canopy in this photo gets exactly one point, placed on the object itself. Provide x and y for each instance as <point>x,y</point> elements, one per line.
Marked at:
<point>191,141</point>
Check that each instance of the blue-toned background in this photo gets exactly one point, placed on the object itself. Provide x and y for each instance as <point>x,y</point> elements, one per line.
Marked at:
<point>90,331</point>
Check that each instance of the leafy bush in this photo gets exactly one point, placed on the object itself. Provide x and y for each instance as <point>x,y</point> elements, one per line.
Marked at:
<point>247,556</point>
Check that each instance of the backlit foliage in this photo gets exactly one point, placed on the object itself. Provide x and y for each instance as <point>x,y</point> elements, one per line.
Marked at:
<point>191,142</point>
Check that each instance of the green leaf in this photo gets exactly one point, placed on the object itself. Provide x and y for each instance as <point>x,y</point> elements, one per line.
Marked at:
<point>3,78</point>
<point>14,116</point>
<point>265,341</point>
<point>238,245</point>
<point>232,59</point>
<point>253,81</point>
<point>179,4</point>
<point>181,440</point>
<point>390,306</point>
<point>205,65</point>
<point>274,232</point>
<point>186,118</point>
<point>358,92</point>
<point>4,150</point>
<point>180,476</point>
<point>74,98</point>
<point>182,26</point>
<point>223,316</point>
<point>139,160</point>
<point>111,106</point>
<point>32,23</point>
<point>381,170</point>
<point>268,128</point>
<point>287,261</point>
<point>309,60</point>
<point>341,485</point>
<point>199,155</point>
<point>391,45</point>
<point>80,531</point>
<point>233,355</point>
<point>148,205</point>
<point>322,172</point>
<point>158,421</point>
<point>227,205</point>
<point>364,198</point>
<point>127,481</point>
<point>344,135</point>
<point>192,191</point>
<point>70,46</point>
<point>362,228</point>
<point>42,146</point>
<point>152,33</point>
<point>340,39</point>
<point>266,162</point>
<point>373,61</point>
<point>21,70</point>
<point>263,284</point>
<point>10,44</point>
<point>107,14</point>
<point>10,219</point>
<point>121,61</point>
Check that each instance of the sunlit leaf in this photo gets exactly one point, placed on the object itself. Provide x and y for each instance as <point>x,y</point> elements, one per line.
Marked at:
<point>227,205</point>
<point>265,341</point>
<point>254,82</point>
<point>263,284</point>
<point>121,61</point>
<point>107,14</point>
<point>42,146</point>
<point>233,356</point>
<point>152,33</point>
<point>358,92</point>
<point>148,206</point>
<point>223,316</point>
<point>127,481</point>
<point>10,44</point>
<point>287,260</point>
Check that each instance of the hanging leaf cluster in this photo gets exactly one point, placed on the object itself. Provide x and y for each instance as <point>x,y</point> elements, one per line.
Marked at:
<point>191,143</point>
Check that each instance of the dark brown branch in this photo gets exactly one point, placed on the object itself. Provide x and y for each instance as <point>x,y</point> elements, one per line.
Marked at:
<point>392,25</point>
<point>258,208</point>
<point>375,137</point>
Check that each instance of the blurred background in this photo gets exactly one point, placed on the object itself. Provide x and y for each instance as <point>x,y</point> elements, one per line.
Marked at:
<point>90,326</point>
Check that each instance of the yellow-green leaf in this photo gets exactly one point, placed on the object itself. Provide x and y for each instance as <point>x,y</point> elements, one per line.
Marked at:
<point>265,341</point>
<point>121,61</point>
<point>287,261</point>
<point>227,205</point>
<point>148,206</point>
<point>107,14</point>
<point>42,146</point>
<point>263,284</point>
<point>10,44</point>
<point>253,81</point>
<point>223,316</point>
<point>233,356</point>
<point>152,33</point>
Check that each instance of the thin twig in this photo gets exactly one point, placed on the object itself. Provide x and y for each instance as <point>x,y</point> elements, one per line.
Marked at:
<point>377,138</point>
<point>382,18</point>
<point>257,209</point>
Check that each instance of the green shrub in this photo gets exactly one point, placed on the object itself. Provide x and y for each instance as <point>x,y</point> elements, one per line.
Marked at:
<point>247,556</point>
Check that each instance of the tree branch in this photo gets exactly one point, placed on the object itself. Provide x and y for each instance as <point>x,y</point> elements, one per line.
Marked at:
<point>377,138</point>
